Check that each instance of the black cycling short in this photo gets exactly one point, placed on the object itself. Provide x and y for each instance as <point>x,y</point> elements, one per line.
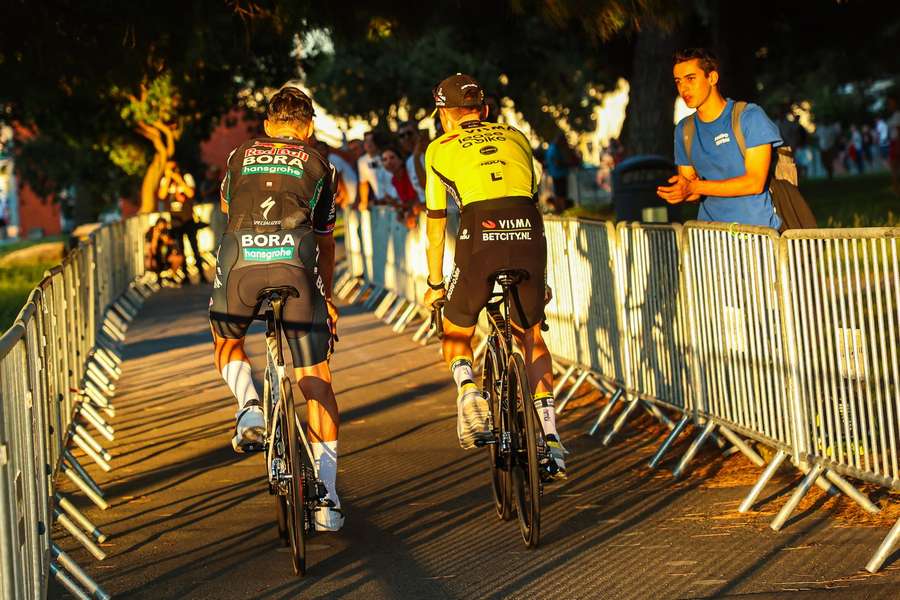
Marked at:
<point>247,265</point>
<point>506,233</point>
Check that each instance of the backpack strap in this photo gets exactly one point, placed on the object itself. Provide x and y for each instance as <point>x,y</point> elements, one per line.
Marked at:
<point>687,134</point>
<point>739,107</point>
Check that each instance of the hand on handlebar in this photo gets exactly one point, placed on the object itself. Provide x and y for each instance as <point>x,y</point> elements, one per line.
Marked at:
<point>432,296</point>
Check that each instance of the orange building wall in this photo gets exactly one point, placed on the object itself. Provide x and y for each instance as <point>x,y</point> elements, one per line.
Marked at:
<point>37,213</point>
<point>233,130</point>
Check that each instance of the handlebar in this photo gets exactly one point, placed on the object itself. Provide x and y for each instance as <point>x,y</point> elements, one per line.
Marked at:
<point>437,316</point>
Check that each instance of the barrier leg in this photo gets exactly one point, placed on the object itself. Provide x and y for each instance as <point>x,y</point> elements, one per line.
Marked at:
<point>607,410</point>
<point>93,417</point>
<point>395,311</point>
<point>106,365</point>
<point>692,450</point>
<point>72,567</point>
<point>373,298</point>
<point>63,578</point>
<point>348,286</point>
<point>359,293</point>
<point>670,439</point>
<point>743,446</point>
<point>620,421</point>
<point>405,318</point>
<point>757,488</point>
<point>90,452</point>
<point>557,389</point>
<point>821,481</point>
<point>853,493</point>
<point>569,394</point>
<point>79,535</point>
<point>657,414</point>
<point>384,305</point>
<point>422,330</point>
<point>889,543</point>
<point>80,478</point>
<point>796,497</point>
<point>72,511</point>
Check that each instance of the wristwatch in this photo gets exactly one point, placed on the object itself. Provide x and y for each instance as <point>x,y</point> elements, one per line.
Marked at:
<point>435,286</point>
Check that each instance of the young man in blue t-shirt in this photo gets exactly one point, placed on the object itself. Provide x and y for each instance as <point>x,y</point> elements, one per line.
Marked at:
<point>734,188</point>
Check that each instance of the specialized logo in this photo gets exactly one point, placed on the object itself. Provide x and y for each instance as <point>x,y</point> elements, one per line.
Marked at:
<point>267,205</point>
<point>267,247</point>
<point>505,230</point>
<point>488,150</point>
<point>722,138</point>
<point>464,235</point>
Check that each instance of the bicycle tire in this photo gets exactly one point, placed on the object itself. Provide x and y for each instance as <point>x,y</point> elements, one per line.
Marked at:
<point>295,503</point>
<point>491,376</point>
<point>268,408</point>
<point>524,473</point>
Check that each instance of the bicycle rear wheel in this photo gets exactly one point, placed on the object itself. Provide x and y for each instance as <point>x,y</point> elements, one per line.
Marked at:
<point>295,504</point>
<point>524,429</point>
<point>491,378</point>
<point>270,399</point>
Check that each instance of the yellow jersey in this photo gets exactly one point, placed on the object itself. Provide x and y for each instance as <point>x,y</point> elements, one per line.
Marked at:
<point>478,161</point>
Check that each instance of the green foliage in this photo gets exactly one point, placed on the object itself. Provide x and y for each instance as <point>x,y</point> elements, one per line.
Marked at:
<point>66,67</point>
<point>546,73</point>
<point>160,102</point>
<point>130,157</point>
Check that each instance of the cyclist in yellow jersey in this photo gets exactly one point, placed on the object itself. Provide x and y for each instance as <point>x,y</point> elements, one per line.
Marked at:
<point>487,168</point>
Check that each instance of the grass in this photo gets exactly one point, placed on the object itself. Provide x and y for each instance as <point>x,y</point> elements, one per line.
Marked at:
<point>17,280</point>
<point>853,201</point>
<point>15,284</point>
<point>848,201</point>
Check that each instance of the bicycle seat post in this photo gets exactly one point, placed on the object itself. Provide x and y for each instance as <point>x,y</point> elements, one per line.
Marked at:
<point>277,303</point>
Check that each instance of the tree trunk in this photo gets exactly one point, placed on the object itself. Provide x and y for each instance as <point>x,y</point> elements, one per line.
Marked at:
<point>151,183</point>
<point>648,127</point>
<point>163,137</point>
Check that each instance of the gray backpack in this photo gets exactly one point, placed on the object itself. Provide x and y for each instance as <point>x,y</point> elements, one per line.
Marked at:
<point>789,203</point>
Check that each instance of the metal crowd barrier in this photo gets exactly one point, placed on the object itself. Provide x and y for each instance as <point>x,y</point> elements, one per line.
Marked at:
<point>58,366</point>
<point>842,313</point>
<point>790,342</point>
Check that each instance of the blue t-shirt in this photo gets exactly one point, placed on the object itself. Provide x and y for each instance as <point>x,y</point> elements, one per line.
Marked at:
<point>715,156</point>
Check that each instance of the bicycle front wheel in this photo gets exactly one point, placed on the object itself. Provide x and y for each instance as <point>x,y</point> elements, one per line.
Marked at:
<point>295,505</point>
<point>524,429</point>
<point>491,378</point>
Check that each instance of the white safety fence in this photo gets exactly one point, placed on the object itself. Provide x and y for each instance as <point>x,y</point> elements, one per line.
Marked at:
<point>58,366</point>
<point>790,342</point>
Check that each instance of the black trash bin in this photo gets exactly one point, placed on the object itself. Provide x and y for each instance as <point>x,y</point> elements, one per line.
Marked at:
<point>634,183</point>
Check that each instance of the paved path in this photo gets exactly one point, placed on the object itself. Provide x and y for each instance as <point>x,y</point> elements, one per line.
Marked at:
<point>190,519</point>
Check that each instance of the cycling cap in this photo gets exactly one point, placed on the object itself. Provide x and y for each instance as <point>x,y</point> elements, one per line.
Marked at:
<point>458,91</point>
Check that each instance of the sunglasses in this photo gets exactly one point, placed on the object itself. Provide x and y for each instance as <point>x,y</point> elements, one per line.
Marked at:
<point>404,134</point>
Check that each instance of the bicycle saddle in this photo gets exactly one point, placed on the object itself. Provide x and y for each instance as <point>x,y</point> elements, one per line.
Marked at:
<point>509,277</point>
<point>283,291</point>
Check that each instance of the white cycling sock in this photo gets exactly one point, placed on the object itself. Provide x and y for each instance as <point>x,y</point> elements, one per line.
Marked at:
<point>237,374</point>
<point>544,404</point>
<point>461,368</point>
<point>325,455</point>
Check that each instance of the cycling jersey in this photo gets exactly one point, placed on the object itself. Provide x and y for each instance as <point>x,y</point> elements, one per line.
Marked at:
<point>279,193</point>
<point>476,162</point>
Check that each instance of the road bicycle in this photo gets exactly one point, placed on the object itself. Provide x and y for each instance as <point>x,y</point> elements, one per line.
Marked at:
<point>292,475</point>
<point>518,454</point>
